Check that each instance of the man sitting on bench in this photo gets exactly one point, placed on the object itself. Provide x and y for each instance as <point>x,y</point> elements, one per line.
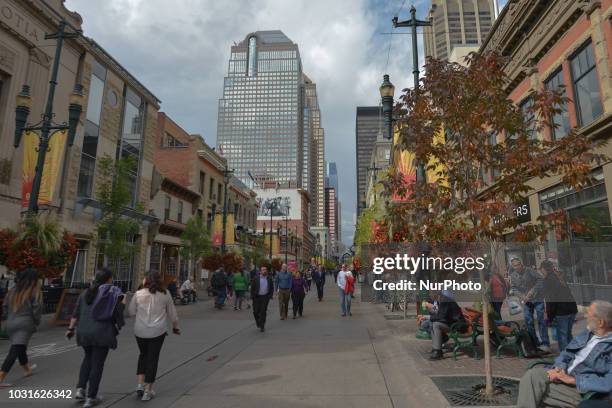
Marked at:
<point>442,317</point>
<point>584,366</point>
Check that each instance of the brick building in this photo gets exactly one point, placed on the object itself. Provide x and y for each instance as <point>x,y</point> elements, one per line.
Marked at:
<point>565,44</point>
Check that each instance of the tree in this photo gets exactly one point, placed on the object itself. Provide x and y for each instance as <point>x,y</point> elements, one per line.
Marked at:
<point>115,229</point>
<point>449,124</point>
<point>195,242</point>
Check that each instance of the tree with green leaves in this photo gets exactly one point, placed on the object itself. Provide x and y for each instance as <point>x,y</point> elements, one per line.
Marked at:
<point>115,229</point>
<point>483,163</point>
<point>195,242</point>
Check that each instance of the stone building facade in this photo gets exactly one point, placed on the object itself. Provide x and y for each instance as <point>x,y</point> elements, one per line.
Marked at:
<point>119,119</point>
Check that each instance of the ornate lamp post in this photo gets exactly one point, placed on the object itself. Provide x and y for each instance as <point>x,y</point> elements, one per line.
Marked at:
<point>387,90</point>
<point>226,178</point>
<point>46,126</point>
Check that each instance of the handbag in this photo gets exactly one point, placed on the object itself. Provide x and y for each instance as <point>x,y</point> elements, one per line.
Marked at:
<point>514,305</point>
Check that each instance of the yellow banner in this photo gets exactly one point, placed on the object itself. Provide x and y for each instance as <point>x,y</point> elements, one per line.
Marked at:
<point>218,229</point>
<point>52,167</point>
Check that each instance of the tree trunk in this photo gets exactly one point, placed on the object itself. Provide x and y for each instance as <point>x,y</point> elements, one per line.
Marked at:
<point>486,328</point>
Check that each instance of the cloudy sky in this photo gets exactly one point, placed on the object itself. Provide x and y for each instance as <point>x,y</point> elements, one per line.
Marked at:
<point>179,50</point>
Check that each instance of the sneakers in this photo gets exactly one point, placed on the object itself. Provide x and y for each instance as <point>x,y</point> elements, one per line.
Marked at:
<point>91,402</point>
<point>140,390</point>
<point>544,348</point>
<point>79,395</point>
<point>436,355</point>
<point>148,395</point>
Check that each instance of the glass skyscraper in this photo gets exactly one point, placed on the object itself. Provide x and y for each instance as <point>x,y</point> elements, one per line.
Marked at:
<point>269,126</point>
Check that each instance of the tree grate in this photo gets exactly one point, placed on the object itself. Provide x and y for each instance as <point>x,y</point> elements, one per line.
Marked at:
<point>465,391</point>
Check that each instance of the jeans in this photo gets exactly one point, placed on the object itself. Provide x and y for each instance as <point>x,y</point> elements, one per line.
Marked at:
<point>17,351</point>
<point>564,329</point>
<point>345,302</point>
<point>221,295</point>
<point>91,369</point>
<point>528,310</point>
<point>497,307</point>
<point>149,356</point>
<point>238,298</point>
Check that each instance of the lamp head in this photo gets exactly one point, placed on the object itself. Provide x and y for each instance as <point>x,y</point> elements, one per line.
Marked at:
<point>74,112</point>
<point>23,104</point>
<point>387,88</point>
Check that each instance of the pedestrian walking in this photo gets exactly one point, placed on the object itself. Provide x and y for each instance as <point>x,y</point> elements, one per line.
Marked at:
<point>219,285</point>
<point>241,284</point>
<point>22,310</point>
<point>561,307</point>
<point>97,318</point>
<point>308,277</point>
<point>349,290</point>
<point>299,288</point>
<point>283,282</point>
<point>154,309</point>
<point>262,290</point>
<point>318,275</point>
<point>341,282</point>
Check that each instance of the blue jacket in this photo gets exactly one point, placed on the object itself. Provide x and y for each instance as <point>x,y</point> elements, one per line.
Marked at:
<point>283,280</point>
<point>595,372</point>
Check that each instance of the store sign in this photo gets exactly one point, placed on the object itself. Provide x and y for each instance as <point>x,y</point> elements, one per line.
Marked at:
<point>521,212</point>
<point>19,22</point>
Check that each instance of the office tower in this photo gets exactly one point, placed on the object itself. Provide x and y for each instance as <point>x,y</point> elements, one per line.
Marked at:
<point>332,176</point>
<point>367,126</point>
<point>457,24</point>
<point>269,123</point>
<point>259,124</point>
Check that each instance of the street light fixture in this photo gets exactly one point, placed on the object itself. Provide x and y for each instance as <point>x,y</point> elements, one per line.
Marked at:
<point>23,105</point>
<point>226,178</point>
<point>387,90</point>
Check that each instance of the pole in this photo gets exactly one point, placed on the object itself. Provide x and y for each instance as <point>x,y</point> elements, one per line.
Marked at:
<point>271,207</point>
<point>43,145</point>
<point>286,237</point>
<point>224,215</point>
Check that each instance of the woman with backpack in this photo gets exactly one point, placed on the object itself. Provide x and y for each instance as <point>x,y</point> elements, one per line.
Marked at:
<point>97,318</point>
<point>154,309</point>
<point>22,310</point>
<point>240,285</point>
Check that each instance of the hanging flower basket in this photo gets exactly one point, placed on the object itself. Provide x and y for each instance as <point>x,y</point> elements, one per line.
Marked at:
<point>24,248</point>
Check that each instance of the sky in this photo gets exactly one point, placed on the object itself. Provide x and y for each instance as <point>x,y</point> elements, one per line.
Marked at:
<point>179,50</point>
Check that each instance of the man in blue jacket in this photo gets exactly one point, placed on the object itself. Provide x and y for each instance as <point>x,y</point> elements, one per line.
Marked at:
<point>283,283</point>
<point>584,366</point>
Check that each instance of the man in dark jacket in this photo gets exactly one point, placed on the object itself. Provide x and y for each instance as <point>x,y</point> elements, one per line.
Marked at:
<point>219,285</point>
<point>318,276</point>
<point>262,290</point>
<point>442,317</point>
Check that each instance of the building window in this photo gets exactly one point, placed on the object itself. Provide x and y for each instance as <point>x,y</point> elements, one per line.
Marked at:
<point>131,140</point>
<point>92,129</point>
<point>170,141</point>
<point>167,205</point>
<point>200,213</point>
<point>561,119</point>
<point>529,117</point>
<point>201,185</point>
<point>586,86</point>
<point>211,189</point>
<point>179,216</point>
<point>219,192</point>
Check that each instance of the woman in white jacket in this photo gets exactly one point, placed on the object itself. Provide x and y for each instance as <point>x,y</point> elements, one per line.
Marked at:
<point>154,309</point>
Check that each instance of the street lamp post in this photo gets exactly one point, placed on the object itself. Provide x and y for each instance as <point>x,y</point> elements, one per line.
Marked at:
<point>226,178</point>
<point>271,206</point>
<point>286,233</point>
<point>413,23</point>
<point>387,90</point>
<point>24,104</point>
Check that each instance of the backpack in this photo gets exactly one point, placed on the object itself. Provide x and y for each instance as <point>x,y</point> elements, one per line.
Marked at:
<point>527,344</point>
<point>103,307</point>
<point>218,280</point>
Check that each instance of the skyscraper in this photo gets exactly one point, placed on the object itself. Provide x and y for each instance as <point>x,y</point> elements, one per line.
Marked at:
<point>367,127</point>
<point>457,23</point>
<point>332,176</point>
<point>269,124</point>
